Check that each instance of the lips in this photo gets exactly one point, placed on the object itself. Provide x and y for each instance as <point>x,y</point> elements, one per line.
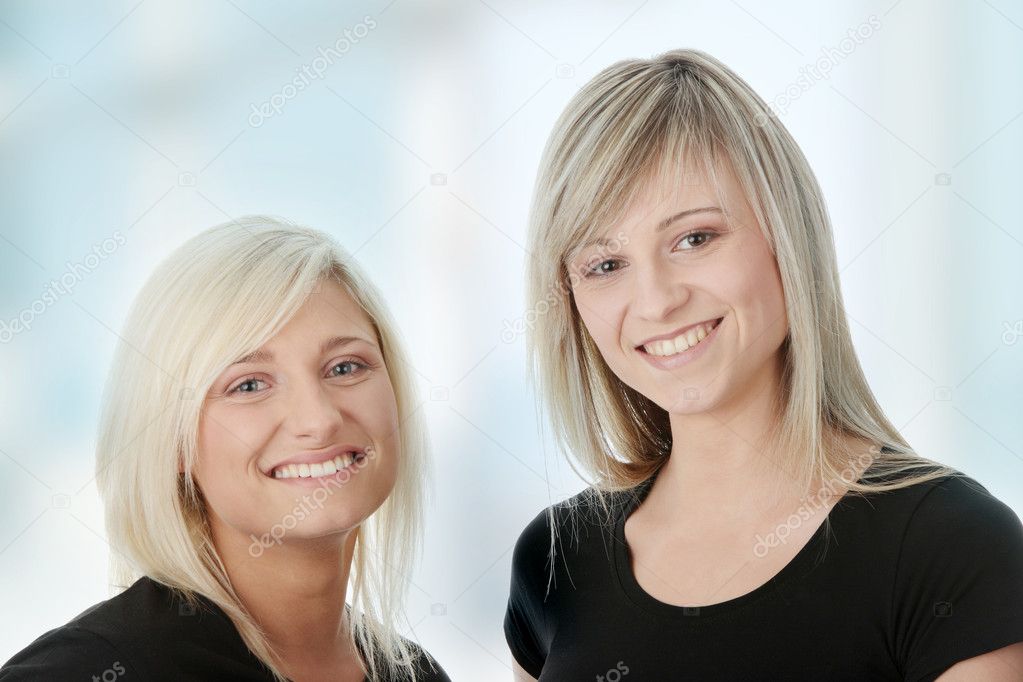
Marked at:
<point>319,457</point>
<point>681,330</point>
<point>661,357</point>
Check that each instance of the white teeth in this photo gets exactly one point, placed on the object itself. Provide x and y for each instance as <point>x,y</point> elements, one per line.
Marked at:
<point>681,342</point>
<point>326,468</point>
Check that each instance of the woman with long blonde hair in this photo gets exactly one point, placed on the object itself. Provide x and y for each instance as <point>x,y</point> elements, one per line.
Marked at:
<point>752,514</point>
<point>261,461</point>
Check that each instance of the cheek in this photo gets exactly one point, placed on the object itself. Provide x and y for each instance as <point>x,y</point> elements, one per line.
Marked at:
<point>377,410</point>
<point>224,457</point>
<point>760,289</point>
<point>212,439</point>
<point>227,433</point>
<point>601,316</point>
<point>751,286</point>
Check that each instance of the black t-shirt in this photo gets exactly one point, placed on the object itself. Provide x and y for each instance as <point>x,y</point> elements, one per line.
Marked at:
<point>148,632</point>
<point>907,583</point>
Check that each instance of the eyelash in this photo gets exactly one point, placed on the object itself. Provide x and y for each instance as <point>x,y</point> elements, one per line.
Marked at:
<point>361,365</point>
<point>591,272</point>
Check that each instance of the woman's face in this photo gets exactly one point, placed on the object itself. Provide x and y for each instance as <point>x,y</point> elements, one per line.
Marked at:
<point>679,258</point>
<point>318,396</point>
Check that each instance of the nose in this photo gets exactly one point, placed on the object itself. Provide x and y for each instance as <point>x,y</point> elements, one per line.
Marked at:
<point>312,412</point>
<point>657,292</point>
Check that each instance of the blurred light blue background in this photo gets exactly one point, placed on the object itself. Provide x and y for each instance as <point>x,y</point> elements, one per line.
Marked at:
<point>127,127</point>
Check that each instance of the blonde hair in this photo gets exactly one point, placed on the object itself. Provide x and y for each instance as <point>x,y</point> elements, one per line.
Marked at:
<point>219,296</point>
<point>643,120</point>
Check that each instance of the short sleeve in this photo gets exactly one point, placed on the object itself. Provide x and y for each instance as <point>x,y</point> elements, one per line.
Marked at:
<point>959,581</point>
<point>524,617</point>
<point>66,653</point>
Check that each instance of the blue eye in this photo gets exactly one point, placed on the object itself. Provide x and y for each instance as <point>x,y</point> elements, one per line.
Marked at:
<point>350,368</point>
<point>353,364</point>
<point>249,380</point>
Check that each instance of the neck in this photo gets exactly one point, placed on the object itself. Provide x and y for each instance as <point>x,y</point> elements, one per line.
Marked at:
<point>295,591</point>
<point>723,463</point>
<point>725,468</point>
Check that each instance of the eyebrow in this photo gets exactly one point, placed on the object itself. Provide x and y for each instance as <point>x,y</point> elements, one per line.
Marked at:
<point>663,225</point>
<point>328,344</point>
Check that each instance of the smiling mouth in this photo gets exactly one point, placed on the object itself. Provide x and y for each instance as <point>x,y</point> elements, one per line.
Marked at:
<point>326,467</point>
<point>680,343</point>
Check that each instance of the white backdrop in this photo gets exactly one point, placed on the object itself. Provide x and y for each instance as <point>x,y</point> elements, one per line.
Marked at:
<point>127,127</point>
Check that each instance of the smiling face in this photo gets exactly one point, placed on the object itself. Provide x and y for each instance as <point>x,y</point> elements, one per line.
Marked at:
<point>318,396</point>
<point>683,255</point>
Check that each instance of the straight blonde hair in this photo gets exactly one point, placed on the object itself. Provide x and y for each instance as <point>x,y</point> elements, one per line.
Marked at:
<point>219,296</point>
<point>661,120</point>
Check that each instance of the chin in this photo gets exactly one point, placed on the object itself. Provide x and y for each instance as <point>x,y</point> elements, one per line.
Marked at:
<point>333,531</point>
<point>679,403</point>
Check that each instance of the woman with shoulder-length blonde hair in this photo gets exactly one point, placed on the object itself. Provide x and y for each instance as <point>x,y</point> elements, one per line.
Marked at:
<point>752,514</point>
<point>250,488</point>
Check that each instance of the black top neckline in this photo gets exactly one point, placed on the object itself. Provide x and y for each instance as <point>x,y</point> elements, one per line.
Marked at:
<point>802,561</point>
<point>151,631</point>
<point>227,627</point>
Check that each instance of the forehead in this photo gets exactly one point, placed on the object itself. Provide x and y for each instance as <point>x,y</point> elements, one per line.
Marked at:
<point>696,185</point>
<point>330,306</point>
<point>666,194</point>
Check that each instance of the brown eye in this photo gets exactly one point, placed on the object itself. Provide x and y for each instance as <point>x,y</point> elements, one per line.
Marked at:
<point>686,239</point>
<point>602,268</point>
